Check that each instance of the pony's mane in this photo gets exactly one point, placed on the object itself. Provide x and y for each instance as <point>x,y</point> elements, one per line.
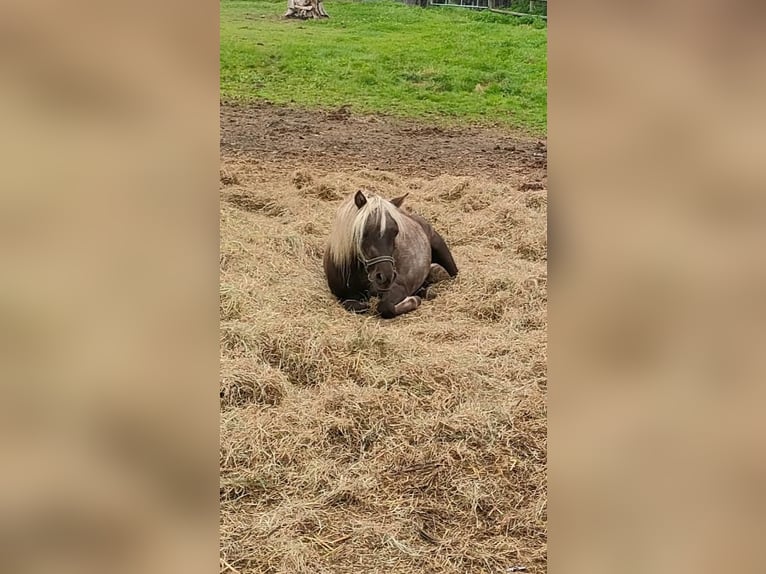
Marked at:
<point>345,242</point>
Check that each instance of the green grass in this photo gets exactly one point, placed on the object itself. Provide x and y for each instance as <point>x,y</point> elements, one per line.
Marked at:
<point>380,56</point>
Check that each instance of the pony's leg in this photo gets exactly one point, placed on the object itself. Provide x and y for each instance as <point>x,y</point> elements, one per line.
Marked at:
<point>436,274</point>
<point>426,293</point>
<point>441,254</point>
<point>396,302</point>
<point>355,306</point>
<point>389,310</point>
<point>409,304</point>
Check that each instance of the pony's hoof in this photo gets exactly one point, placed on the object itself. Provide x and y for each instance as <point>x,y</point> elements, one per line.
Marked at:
<point>355,306</point>
<point>426,293</point>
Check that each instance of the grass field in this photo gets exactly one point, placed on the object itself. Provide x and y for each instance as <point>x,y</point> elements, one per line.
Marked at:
<point>386,57</point>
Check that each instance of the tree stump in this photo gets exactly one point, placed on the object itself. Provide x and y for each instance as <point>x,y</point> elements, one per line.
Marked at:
<point>305,9</point>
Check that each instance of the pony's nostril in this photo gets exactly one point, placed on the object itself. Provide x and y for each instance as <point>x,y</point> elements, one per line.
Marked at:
<point>379,277</point>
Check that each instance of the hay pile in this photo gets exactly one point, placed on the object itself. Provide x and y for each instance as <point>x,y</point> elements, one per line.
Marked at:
<point>351,444</point>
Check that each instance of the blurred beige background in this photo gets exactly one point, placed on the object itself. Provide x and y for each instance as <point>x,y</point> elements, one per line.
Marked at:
<point>108,350</point>
<point>657,138</point>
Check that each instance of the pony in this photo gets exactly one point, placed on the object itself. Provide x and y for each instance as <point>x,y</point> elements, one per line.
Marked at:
<point>375,249</point>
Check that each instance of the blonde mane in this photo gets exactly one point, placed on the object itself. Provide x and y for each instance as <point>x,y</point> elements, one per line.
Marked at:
<point>345,242</point>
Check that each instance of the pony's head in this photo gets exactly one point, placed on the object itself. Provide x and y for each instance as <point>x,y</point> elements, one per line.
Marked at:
<point>366,229</point>
<point>378,225</point>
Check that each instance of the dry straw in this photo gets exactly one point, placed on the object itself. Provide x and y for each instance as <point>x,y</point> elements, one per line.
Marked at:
<point>350,444</point>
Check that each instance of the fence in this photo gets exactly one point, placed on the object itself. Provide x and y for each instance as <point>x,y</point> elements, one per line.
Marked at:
<point>537,8</point>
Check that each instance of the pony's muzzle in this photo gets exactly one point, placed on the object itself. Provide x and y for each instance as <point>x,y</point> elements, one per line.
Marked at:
<point>382,281</point>
<point>381,278</point>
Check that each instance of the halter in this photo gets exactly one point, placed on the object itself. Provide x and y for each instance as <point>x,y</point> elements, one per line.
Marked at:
<point>380,259</point>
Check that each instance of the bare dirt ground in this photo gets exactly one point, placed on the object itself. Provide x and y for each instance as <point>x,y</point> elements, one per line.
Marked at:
<point>350,444</point>
<point>274,133</point>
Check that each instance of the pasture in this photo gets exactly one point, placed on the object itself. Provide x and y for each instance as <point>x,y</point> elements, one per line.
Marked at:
<point>350,444</point>
<point>439,64</point>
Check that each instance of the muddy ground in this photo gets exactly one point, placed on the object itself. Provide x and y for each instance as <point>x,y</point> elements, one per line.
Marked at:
<point>291,137</point>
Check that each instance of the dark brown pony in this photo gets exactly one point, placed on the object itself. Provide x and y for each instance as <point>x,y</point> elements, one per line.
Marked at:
<point>376,249</point>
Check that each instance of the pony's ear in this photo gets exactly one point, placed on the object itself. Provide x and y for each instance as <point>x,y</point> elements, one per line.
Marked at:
<point>360,199</point>
<point>397,201</point>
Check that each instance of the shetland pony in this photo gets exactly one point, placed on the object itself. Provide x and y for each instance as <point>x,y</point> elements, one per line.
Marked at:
<point>376,249</point>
